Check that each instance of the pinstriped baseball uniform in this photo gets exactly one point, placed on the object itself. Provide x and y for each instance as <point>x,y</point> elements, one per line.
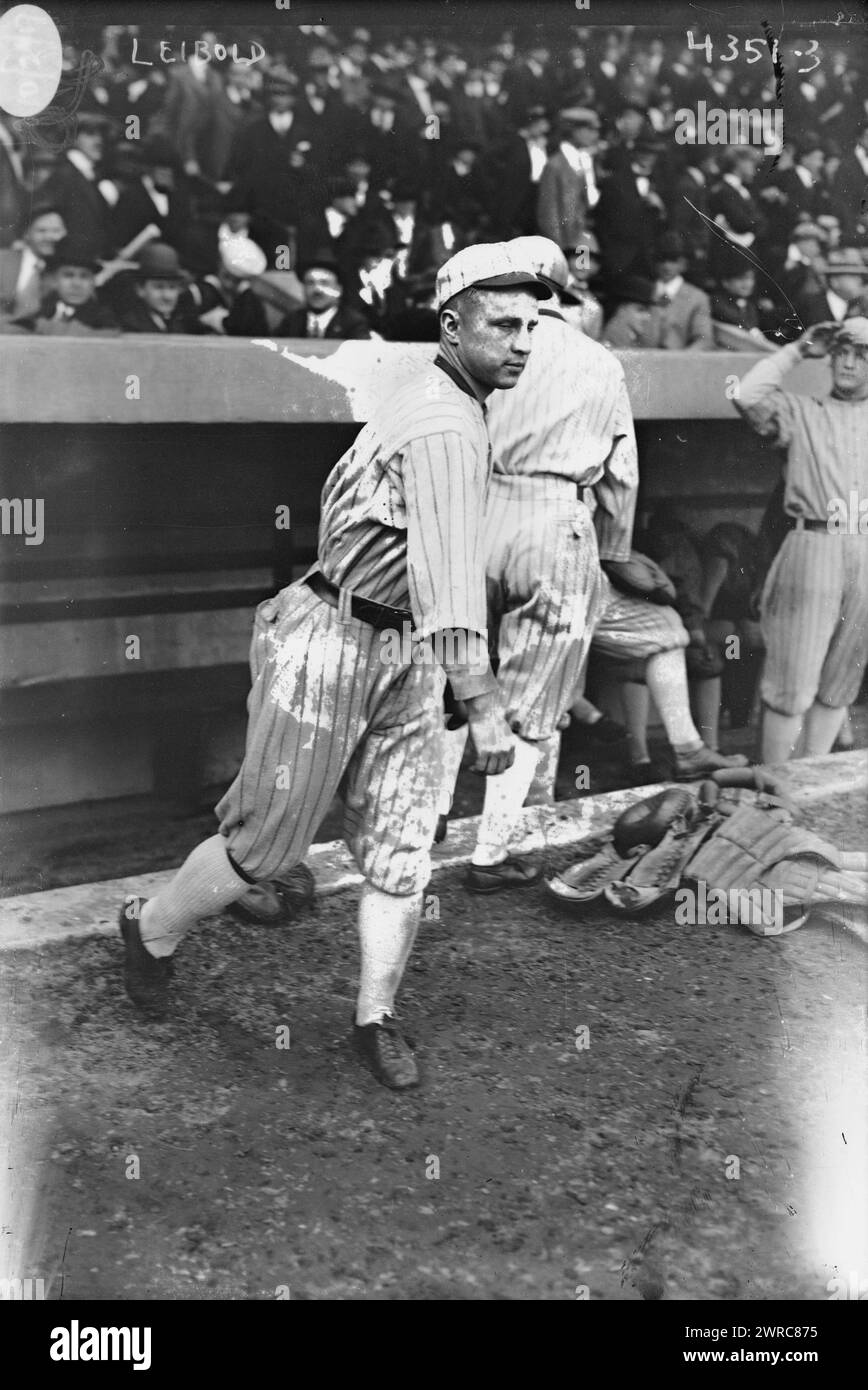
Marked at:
<point>566,426</point>
<point>400,524</point>
<point>814,611</point>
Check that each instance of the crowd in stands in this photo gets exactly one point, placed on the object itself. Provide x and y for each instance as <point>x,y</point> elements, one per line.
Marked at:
<point>315,191</point>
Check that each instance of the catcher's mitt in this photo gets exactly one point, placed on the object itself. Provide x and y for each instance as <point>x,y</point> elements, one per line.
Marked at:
<point>640,577</point>
<point>648,821</point>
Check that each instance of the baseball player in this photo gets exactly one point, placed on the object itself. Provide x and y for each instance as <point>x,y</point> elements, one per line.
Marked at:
<point>814,608</point>
<point>400,543</point>
<point>566,428</point>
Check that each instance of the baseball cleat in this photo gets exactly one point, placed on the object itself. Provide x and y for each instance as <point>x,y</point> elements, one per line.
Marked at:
<point>583,883</point>
<point>510,873</point>
<point>146,977</point>
<point>699,764</point>
<point>385,1051</point>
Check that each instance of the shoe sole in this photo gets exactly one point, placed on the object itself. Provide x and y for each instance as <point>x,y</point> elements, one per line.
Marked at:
<point>502,887</point>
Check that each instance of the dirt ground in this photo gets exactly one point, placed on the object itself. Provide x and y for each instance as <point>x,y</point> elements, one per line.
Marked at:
<point>197,1159</point>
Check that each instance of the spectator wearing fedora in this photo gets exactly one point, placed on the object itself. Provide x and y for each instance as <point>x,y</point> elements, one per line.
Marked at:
<point>631,325</point>
<point>568,187</point>
<point>733,301</point>
<point>630,215</point>
<point>324,314</point>
<point>845,274</point>
<point>22,266</point>
<point>72,305</point>
<point>682,313</point>
<point>158,307</point>
<point>79,191</point>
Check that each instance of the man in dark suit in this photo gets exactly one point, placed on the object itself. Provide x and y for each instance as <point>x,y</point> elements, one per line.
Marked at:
<point>733,207</point>
<point>158,195</point>
<point>76,187</point>
<point>511,170</point>
<point>849,191</point>
<point>11,183</point>
<point>844,274</point>
<point>324,315</point>
<point>160,281</point>
<point>72,305</point>
<point>630,216</point>
<point>530,81</point>
<point>272,178</point>
<point>568,188</point>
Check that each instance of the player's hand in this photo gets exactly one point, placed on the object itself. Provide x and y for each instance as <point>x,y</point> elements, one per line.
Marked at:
<point>492,739</point>
<point>817,341</point>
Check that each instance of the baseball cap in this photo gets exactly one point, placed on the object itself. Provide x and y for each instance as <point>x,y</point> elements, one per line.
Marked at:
<point>544,257</point>
<point>488,265</point>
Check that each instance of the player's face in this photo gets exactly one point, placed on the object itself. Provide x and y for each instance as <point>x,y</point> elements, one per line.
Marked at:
<point>493,335</point>
<point>850,370</point>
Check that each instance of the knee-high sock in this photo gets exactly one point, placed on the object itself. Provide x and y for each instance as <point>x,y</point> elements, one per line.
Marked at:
<point>780,734</point>
<point>205,883</point>
<point>635,700</point>
<point>666,678</point>
<point>454,741</point>
<point>504,798</point>
<point>706,706</point>
<point>541,791</point>
<point>387,930</point>
<point>822,723</point>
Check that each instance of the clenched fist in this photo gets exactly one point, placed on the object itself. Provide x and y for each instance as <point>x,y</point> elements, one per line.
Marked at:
<point>492,738</point>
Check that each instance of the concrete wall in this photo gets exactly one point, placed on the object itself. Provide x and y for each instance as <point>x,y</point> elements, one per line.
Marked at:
<point>161,464</point>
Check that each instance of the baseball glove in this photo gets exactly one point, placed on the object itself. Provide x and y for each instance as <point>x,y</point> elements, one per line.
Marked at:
<point>640,577</point>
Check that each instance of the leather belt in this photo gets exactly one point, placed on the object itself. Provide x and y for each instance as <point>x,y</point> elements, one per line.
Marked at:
<point>806,523</point>
<point>367,610</point>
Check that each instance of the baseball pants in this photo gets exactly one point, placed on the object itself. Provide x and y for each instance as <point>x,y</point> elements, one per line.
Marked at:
<point>543,580</point>
<point>634,628</point>
<point>814,619</point>
<point>324,706</point>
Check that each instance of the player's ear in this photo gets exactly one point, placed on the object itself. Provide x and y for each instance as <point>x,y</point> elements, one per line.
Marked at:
<point>449,320</point>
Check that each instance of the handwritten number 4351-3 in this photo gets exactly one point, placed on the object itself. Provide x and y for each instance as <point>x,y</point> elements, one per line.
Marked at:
<point>753,50</point>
